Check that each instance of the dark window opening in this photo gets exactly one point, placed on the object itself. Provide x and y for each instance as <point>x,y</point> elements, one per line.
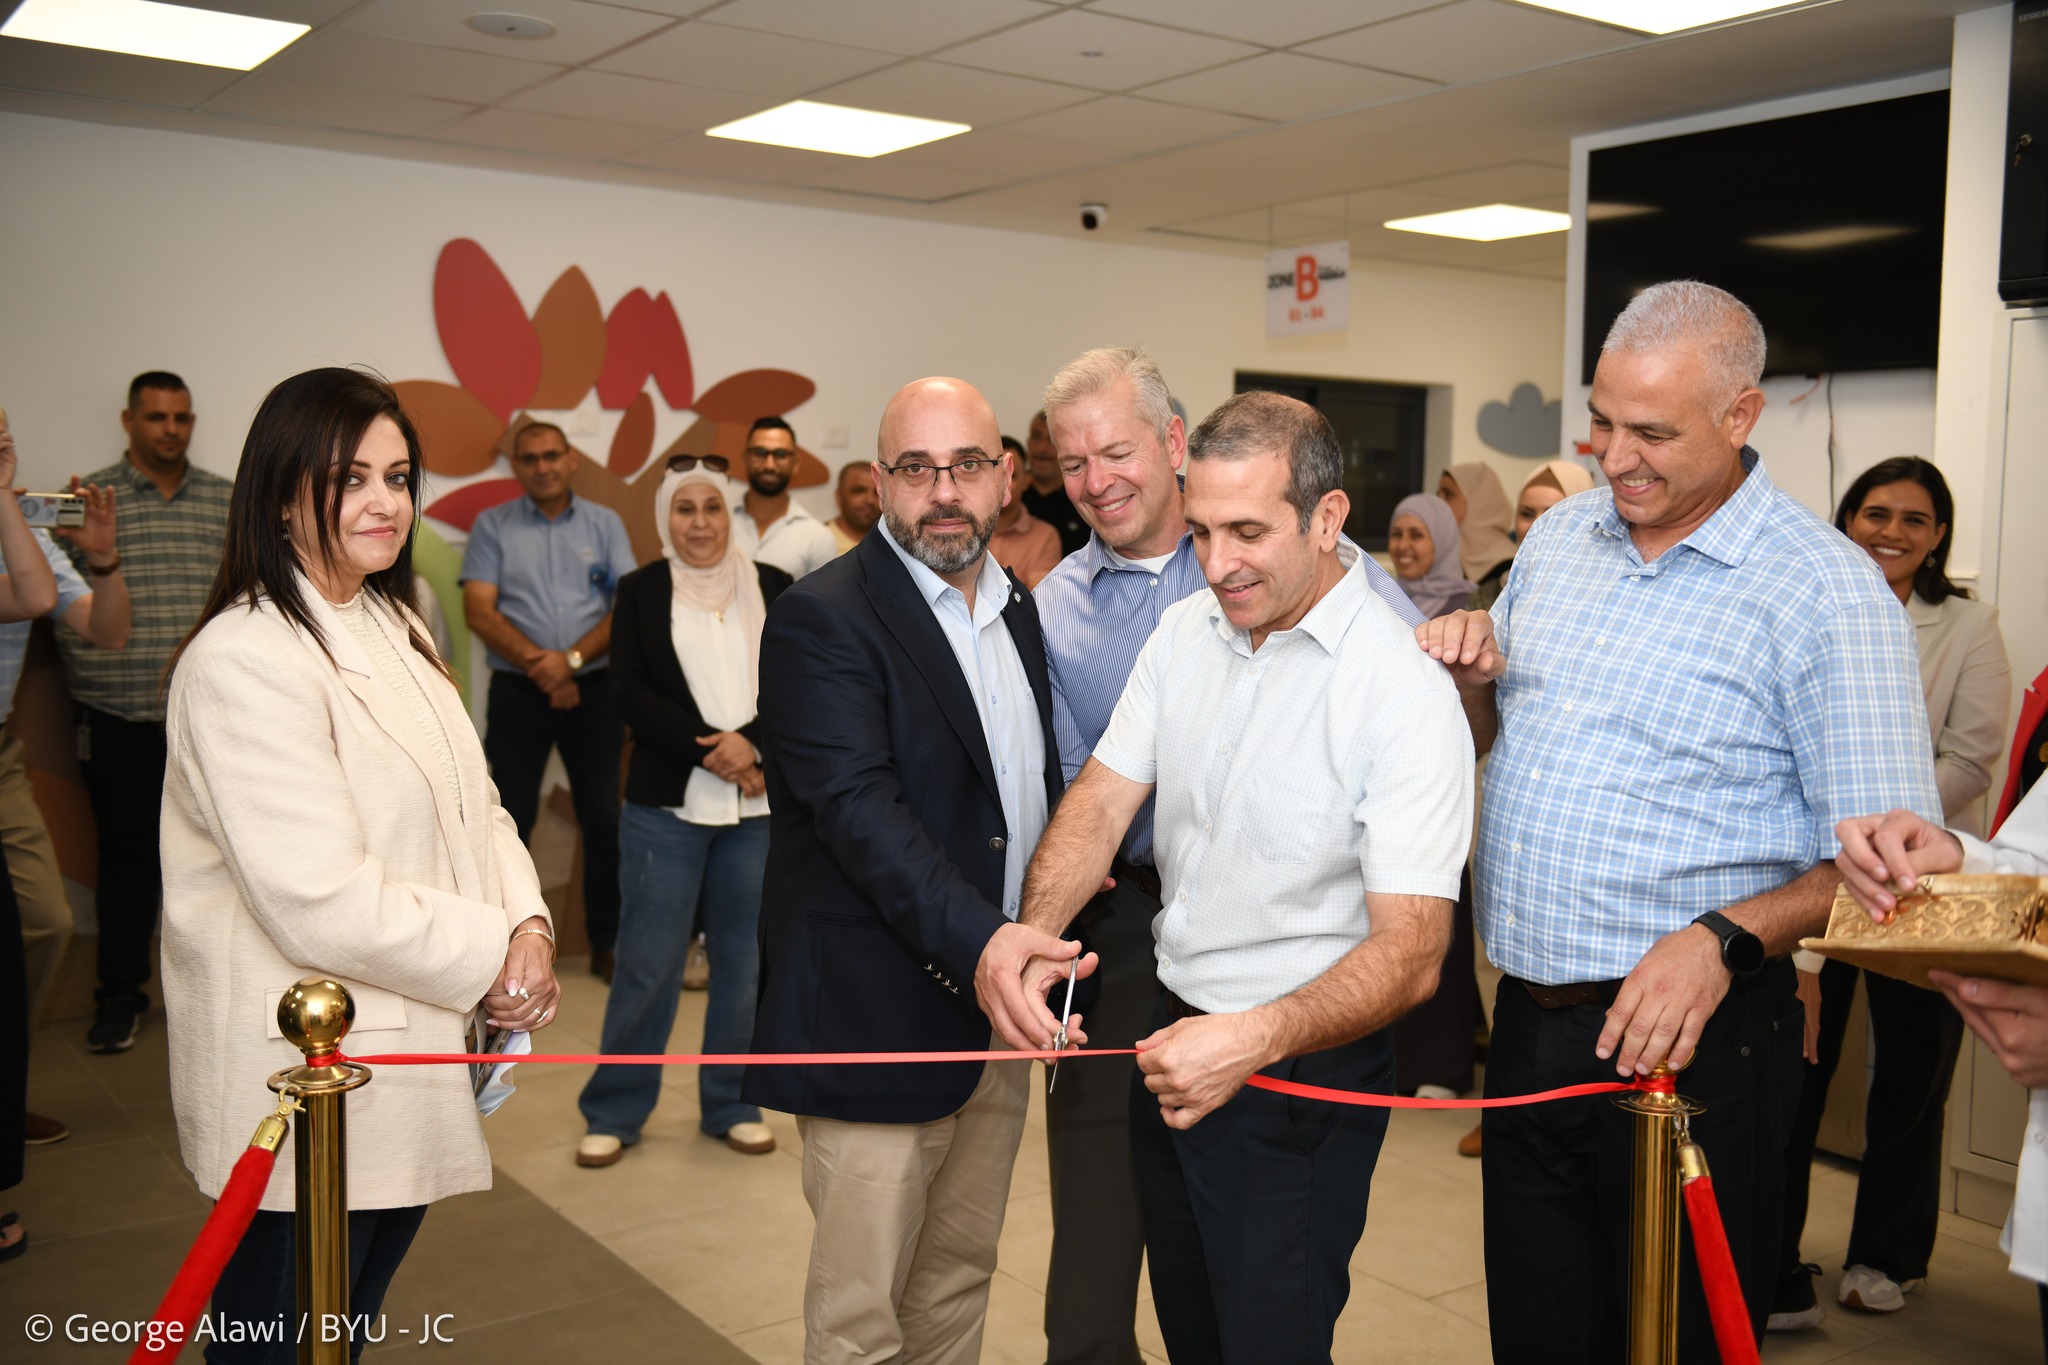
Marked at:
<point>1380,427</point>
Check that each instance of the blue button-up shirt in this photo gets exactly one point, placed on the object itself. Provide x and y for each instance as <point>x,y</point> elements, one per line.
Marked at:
<point>555,578</point>
<point>1682,735</point>
<point>14,634</point>
<point>982,645</point>
<point>1097,611</point>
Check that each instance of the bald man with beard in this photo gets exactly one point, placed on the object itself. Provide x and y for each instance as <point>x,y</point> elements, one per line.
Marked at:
<point>911,767</point>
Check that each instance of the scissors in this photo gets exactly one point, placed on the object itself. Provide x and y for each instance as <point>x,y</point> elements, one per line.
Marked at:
<point>1059,1042</point>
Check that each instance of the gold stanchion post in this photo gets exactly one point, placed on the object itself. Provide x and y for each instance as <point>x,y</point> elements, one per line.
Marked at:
<point>1653,1221</point>
<point>315,1015</point>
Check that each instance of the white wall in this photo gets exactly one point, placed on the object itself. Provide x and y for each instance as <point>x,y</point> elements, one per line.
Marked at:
<point>1876,415</point>
<point>238,263</point>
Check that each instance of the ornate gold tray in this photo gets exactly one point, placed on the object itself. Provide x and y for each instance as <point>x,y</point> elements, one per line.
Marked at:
<point>1995,926</point>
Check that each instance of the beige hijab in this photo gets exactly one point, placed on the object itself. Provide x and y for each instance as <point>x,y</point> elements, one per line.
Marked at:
<point>732,584</point>
<point>1485,537</point>
<point>1566,477</point>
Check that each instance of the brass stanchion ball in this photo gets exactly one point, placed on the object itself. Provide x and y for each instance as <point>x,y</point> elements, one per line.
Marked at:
<point>315,1014</point>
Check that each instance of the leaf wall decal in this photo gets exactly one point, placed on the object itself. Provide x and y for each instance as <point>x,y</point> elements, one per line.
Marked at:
<point>485,333</point>
<point>670,355</point>
<point>570,325</point>
<point>754,393</point>
<point>629,350</point>
<point>458,434</point>
<point>634,439</point>
<point>459,509</point>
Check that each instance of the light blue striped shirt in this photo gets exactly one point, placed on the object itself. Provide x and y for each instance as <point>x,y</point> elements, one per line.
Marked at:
<point>1679,736</point>
<point>1097,611</point>
<point>14,634</point>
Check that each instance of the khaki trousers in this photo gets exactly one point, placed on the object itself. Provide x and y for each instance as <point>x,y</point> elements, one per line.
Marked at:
<point>908,1216</point>
<point>32,867</point>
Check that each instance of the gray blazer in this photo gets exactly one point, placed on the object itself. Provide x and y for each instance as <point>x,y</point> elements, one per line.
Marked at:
<point>1969,693</point>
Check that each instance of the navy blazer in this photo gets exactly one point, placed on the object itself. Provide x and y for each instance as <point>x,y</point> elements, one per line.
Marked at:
<point>885,856</point>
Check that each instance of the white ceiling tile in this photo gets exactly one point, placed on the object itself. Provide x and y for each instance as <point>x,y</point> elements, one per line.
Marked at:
<point>311,12</point>
<point>696,154</point>
<point>108,75</point>
<point>1281,85</point>
<point>636,100</point>
<point>1126,124</point>
<point>1245,225</point>
<point>899,181</point>
<point>362,61</point>
<point>581,31</point>
<point>547,135</point>
<point>1130,53</point>
<point>333,106</point>
<point>1470,40</point>
<point>1271,23</point>
<point>741,59</point>
<point>907,27</point>
<point>1008,155</point>
<point>1511,181</point>
<point>957,93</point>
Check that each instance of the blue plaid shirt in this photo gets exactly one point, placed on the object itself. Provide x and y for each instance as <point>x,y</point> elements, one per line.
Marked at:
<point>1679,736</point>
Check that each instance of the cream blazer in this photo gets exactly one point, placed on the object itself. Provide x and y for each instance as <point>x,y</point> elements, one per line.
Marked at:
<point>307,828</point>
<point>1968,684</point>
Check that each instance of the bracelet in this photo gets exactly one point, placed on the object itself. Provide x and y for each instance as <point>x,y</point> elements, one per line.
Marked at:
<point>97,572</point>
<point>544,934</point>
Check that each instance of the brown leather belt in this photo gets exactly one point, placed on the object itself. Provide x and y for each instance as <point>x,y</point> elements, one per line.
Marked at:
<point>1179,1008</point>
<point>1146,879</point>
<point>1600,993</point>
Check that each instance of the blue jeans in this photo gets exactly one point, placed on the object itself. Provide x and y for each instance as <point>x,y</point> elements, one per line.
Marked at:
<point>671,874</point>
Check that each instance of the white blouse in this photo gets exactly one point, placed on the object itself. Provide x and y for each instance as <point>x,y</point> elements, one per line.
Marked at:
<point>713,652</point>
<point>384,658</point>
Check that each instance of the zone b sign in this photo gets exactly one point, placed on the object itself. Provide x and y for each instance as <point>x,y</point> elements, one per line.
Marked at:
<point>1308,289</point>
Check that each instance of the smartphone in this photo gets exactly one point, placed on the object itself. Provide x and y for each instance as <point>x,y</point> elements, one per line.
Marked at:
<point>53,509</point>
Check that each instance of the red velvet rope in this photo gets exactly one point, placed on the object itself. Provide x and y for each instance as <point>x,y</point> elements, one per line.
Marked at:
<point>171,1324</point>
<point>1717,1275</point>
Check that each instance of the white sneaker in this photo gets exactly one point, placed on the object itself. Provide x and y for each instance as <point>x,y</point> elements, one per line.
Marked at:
<point>1435,1092</point>
<point>1871,1291</point>
<point>754,1139</point>
<point>599,1149</point>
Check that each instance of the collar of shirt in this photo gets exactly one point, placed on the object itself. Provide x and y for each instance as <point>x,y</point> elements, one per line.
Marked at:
<point>796,511</point>
<point>1325,622</point>
<point>991,584</point>
<point>1725,537</point>
<point>142,483</point>
<point>1098,558</point>
<point>533,512</point>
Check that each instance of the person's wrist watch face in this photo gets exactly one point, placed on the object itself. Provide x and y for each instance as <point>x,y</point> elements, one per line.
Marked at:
<point>1742,952</point>
<point>575,658</point>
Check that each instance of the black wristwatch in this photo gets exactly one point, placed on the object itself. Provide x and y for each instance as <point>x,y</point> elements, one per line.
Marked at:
<point>1742,952</point>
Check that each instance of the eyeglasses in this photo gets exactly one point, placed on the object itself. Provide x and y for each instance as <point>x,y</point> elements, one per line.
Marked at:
<point>770,453</point>
<point>918,474</point>
<point>717,464</point>
<point>534,459</point>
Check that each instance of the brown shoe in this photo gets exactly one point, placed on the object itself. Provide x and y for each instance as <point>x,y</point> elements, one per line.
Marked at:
<point>1468,1145</point>
<point>696,967</point>
<point>599,1149</point>
<point>38,1130</point>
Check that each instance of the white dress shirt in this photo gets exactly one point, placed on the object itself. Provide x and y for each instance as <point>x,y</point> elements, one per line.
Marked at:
<point>994,671</point>
<point>1292,780</point>
<point>712,649</point>
<point>2022,847</point>
<point>796,543</point>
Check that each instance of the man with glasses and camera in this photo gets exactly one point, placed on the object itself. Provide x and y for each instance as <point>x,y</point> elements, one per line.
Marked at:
<point>906,718</point>
<point>537,584</point>
<point>768,524</point>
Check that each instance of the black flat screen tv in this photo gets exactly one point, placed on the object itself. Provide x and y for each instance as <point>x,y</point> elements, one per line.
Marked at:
<point>1827,224</point>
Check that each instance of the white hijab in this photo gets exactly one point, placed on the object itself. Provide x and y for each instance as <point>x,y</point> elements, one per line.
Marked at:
<point>712,605</point>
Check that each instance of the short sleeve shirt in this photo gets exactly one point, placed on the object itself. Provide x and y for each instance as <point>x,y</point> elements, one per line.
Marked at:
<point>555,579</point>
<point>71,590</point>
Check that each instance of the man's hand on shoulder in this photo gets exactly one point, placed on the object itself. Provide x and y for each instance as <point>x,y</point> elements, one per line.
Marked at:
<point>1464,642</point>
<point>1884,856</point>
<point>1018,966</point>
<point>1193,1066</point>
<point>1665,1003</point>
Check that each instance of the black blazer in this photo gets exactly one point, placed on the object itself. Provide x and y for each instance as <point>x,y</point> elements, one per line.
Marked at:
<point>649,688</point>
<point>885,856</point>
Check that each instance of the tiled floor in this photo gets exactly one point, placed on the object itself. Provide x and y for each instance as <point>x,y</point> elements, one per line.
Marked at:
<point>687,1251</point>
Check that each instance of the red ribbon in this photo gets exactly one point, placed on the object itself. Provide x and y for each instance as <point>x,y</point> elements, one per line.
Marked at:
<point>1661,1084</point>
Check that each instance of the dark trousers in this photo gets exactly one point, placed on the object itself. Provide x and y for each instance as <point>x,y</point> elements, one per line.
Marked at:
<point>1918,1035</point>
<point>1557,1176</point>
<point>1251,1216</point>
<point>123,762</point>
<point>1433,1042</point>
<point>520,730</point>
<point>260,1284</point>
<point>1098,1236</point>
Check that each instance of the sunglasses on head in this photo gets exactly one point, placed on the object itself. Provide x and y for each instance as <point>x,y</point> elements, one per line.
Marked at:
<point>717,464</point>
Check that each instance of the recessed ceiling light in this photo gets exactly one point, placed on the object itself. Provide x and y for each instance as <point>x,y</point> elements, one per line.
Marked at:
<point>1599,212</point>
<point>836,128</point>
<point>1659,16</point>
<point>142,28</point>
<point>511,25</point>
<point>1827,239</point>
<point>1488,223</point>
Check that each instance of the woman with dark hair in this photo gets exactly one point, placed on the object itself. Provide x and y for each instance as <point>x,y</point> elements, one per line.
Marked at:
<point>327,810</point>
<point>693,839</point>
<point>1900,512</point>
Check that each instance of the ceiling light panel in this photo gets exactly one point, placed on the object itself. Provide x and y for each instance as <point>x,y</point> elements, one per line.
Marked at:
<point>1487,223</point>
<point>142,28</point>
<point>1660,16</point>
<point>836,128</point>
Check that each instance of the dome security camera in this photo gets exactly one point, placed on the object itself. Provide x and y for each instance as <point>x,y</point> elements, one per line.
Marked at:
<point>1093,216</point>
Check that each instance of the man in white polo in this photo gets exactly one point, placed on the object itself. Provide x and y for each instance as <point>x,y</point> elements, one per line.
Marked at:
<point>1314,805</point>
